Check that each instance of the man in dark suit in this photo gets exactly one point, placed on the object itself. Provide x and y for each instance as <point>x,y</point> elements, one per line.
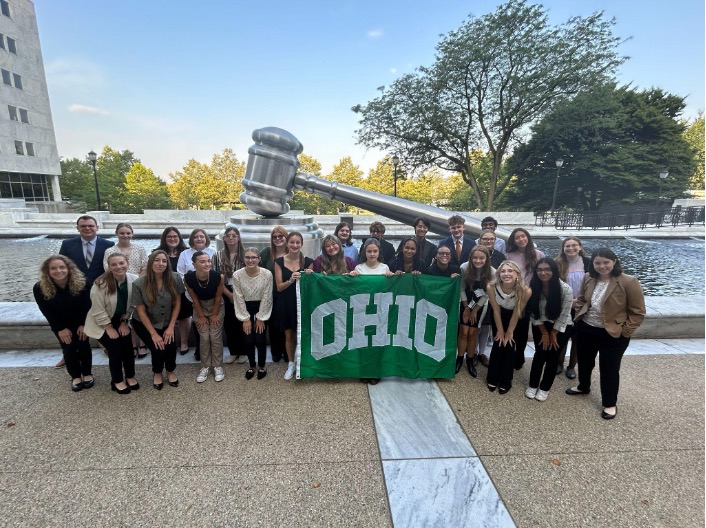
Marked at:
<point>460,244</point>
<point>86,251</point>
<point>387,250</point>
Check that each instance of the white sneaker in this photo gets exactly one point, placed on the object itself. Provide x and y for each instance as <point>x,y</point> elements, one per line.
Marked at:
<point>290,370</point>
<point>241,359</point>
<point>531,393</point>
<point>218,373</point>
<point>541,395</point>
<point>203,375</point>
<point>230,359</point>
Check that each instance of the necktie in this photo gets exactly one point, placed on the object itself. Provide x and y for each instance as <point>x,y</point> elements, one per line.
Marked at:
<point>89,254</point>
<point>458,250</point>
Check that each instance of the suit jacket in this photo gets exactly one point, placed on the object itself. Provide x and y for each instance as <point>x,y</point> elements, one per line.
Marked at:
<point>623,305</point>
<point>73,249</point>
<point>103,307</point>
<point>467,244</point>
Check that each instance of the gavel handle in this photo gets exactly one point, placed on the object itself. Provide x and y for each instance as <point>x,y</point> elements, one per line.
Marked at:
<point>399,209</point>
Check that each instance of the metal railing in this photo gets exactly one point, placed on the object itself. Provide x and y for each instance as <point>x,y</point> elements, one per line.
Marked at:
<point>625,219</point>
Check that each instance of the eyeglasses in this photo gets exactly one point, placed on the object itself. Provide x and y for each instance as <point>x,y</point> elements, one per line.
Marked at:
<point>544,270</point>
<point>277,237</point>
<point>487,239</point>
<point>443,254</point>
<point>251,257</point>
<point>231,235</point>
<point>87,226</point>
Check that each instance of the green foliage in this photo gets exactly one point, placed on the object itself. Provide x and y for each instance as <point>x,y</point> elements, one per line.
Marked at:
<point>202,186</point>
<point>694,135</point>
<point>143,190</point>
<point>77,182</point>
<point>492,77</point>
<point>614,143</point>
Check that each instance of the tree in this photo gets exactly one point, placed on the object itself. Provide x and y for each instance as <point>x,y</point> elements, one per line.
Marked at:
<point>227,169</point>
<point>143,190</point>
<point>614,143</point>
<point>112,166</point>
<point>77,181</point>
<point>492,78</point>
<point>694,135</point>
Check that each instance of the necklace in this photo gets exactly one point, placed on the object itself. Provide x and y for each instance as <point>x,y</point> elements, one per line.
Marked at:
<point>201,283</point>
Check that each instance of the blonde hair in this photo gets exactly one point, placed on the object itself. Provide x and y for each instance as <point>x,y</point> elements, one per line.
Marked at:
<point>519,289</point>
<point>75,283</point>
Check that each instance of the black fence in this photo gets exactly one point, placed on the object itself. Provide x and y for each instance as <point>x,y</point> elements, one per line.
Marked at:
<point>626,219</point>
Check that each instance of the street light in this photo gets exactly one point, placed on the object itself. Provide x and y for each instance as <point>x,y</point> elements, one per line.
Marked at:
<point>662,176</point>
<point>395,162</point>
<point>578,197</point>
<point>92,157</point>
<point>559,163</point>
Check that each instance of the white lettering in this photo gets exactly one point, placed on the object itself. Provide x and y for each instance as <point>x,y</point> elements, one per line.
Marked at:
<point>361,320</point>
<point>435,350</point>
<point>338,308</point>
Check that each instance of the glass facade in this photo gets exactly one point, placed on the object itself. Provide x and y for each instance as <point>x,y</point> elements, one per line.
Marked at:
<point>31,187</point>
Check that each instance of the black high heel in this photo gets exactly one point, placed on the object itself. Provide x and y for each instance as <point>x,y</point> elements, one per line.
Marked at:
<point>157,386</point>
<point>471,367</point>
<point>126,390</point>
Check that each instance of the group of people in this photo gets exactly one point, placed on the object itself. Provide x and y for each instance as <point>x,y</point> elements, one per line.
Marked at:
<point>130,301</point>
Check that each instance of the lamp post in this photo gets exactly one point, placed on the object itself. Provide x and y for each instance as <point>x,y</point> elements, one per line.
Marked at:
<point>559,163</point>
<point>578,197</point>
<point>395,163</point>
<point>662,176</point>
<point>92,157</point>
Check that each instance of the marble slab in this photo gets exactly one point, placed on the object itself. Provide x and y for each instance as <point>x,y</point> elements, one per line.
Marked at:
<point>414,420</point>
<point>443,492</point>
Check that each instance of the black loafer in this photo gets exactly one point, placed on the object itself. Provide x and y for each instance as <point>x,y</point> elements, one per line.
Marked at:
<point>249,374</point>
<point>573,391</point>
<point>126,390</point>
<point>77,387</point>
<point>88,384</point>
<point>136,386</point>
<point>158,386</point>
<point>502,390</point>
<point>607,416</point>
<point>174,383</point>
<point>492,388</point>
<point>373,381</point>
<point>261,373</point>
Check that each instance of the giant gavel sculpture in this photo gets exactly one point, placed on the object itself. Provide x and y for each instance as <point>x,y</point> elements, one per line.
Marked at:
<point>271,178</point>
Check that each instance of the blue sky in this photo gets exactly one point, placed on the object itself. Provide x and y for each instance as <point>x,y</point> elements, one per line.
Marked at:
<point>178,80</point>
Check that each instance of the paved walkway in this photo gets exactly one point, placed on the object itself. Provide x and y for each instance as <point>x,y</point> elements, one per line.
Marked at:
<point>404,453</point>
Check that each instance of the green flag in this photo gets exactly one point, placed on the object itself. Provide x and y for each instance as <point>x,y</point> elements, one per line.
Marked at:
<point>377,326</point>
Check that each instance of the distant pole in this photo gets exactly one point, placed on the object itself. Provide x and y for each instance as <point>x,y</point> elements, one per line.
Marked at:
<point>92,157</point>
<point>578,197</point>
<point>395,163</point>
<point>559,163</point>
<point>662,176</point>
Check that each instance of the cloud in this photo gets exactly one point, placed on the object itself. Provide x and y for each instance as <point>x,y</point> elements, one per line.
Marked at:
<point>83,109</point>
<point>374,33</point>
<point>393,70</point>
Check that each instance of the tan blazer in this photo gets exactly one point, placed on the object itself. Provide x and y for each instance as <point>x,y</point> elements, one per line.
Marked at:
<point>103,307</point>
<point>623,305</point>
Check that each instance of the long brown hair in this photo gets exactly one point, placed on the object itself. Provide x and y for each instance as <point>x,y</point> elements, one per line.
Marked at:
<point>107,280</point>
<point>562,263</point>
<point>168,282</point>
<point>76,281</point>
<point>485,274</point>
<point>301,256</point>
<point>223,256</point>
<point>529,252</point>
<point>337,264</point>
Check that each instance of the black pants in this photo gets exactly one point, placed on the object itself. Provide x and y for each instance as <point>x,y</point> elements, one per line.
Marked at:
<point>591,341</point>
<point>521,335</point>
<point>255,340</point>
<point>277,340</point>
<point>545,360</point>
<point>504,358</point>
<point>232,328</point>
<point>78,356</point>
<point>121,358</point>
<point>161,359</point>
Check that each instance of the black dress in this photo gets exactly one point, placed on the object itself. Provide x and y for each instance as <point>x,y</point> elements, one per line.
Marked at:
<point>284,311</point>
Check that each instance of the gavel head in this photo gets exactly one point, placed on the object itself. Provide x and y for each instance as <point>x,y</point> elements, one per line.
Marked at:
<point>269,177</point>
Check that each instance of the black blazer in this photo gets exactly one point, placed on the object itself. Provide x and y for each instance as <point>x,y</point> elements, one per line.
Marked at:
<point>73,249</point>
<point>467,244</point>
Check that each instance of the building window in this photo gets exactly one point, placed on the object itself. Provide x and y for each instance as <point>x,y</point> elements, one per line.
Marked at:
<point>24,116</point>
<point>19,148</point>
<point>30,148</point>
<point>6,78</point>
<point>2,41</point>
<point>5,8</point>
<point>13,112</point>
<point>11,45</point>
<point>18,81</point>
<point>31,187</point>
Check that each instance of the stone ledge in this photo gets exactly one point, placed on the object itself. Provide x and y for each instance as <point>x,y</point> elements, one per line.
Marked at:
<point>22,325</point>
